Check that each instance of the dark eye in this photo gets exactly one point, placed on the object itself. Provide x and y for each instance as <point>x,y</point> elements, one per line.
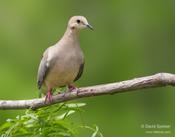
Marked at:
<point>78,21</point>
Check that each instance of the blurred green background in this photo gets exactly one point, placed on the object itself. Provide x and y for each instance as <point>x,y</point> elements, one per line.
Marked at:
<point>131,39</point>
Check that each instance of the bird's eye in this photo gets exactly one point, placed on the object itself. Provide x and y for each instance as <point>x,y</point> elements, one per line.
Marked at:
<point>78,21</point>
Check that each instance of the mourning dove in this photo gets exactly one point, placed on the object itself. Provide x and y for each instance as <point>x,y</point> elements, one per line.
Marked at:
<point>63,63</point>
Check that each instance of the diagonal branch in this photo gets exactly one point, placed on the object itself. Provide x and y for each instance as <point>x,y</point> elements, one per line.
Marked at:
<point>157,80</point>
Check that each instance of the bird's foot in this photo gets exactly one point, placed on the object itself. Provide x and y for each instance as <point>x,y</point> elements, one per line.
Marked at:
<point>72,88</point>
<point>48,97</point>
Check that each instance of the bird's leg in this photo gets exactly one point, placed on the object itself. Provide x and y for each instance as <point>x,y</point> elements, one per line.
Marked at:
<point>72,88</point>
<point>49,95</point>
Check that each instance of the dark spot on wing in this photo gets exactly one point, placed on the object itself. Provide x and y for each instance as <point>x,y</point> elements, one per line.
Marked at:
<point>80,72</point>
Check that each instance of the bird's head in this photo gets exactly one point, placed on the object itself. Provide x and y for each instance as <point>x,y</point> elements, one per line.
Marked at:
<point>78,23</point>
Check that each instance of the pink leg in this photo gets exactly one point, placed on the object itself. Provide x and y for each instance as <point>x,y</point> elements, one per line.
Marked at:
<point>49,96</point>
<point>72,87</point>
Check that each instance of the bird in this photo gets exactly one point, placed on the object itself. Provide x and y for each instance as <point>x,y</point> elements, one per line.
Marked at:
<point>62,64</point>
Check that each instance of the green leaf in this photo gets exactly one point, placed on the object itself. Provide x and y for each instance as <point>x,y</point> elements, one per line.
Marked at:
<point>75,105</point>
<point>66,114</point>
<point>95,132</point>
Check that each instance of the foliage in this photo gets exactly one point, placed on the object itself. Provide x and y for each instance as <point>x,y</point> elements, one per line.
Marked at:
<point>51,121</point>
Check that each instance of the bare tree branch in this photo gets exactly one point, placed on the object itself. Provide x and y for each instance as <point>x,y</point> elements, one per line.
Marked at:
<point>157,80</point>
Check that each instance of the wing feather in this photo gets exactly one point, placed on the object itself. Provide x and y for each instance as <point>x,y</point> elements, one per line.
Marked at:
<point>43,70</point>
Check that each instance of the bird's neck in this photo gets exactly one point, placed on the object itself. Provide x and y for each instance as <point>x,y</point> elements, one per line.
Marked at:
<point>71,34</point>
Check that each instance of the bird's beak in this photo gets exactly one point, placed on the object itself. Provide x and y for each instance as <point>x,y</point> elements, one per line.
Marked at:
<point>89,26</point>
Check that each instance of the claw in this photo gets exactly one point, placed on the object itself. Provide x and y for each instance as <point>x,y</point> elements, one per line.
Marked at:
<point>72,88</point>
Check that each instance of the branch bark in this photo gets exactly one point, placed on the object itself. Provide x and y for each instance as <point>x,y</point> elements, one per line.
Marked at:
<point>157,80</point>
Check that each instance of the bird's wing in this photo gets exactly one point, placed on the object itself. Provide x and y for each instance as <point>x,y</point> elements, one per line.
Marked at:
<point>80,72</point>
<point>43,69</point>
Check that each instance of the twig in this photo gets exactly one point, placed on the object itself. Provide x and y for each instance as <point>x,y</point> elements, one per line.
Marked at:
<point>157,80</point>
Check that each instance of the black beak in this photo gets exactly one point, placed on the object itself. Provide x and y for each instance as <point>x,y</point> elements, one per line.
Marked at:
<point>89,26</point>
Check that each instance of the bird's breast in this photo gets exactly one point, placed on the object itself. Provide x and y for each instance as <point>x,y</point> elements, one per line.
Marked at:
<point>65,68</point>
